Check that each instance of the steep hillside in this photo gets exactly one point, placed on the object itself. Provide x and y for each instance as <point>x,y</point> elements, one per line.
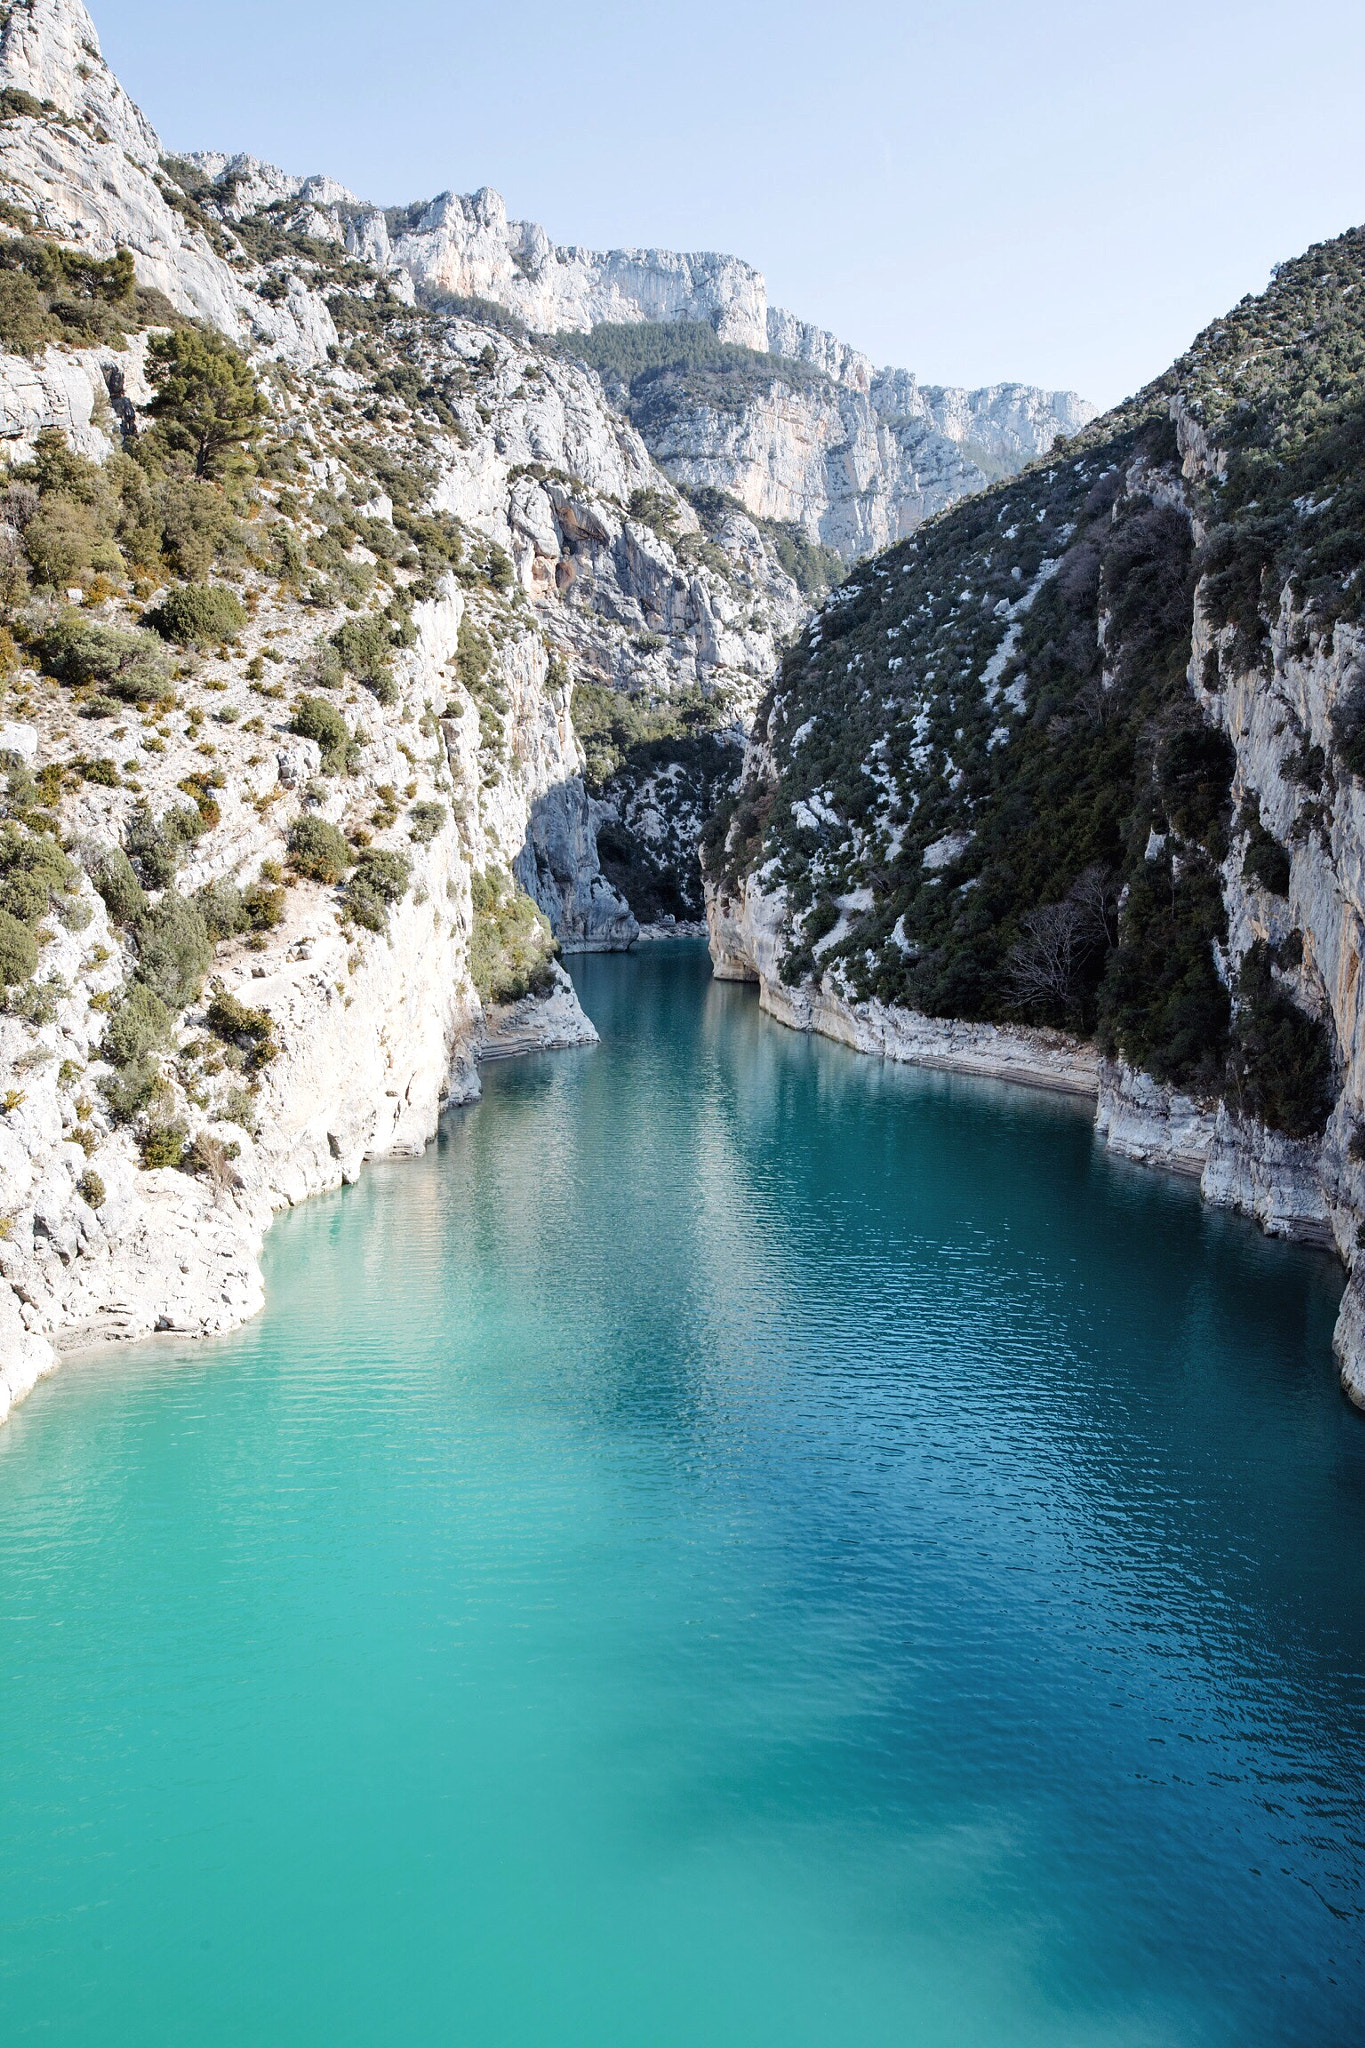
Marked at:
<point>297,581</point>
<point>1084,756</point>
<point>791,422</point>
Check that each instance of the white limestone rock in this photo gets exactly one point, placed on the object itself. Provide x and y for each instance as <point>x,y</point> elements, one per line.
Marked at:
<point>748,933</point>
<point>90,173</point>
<point>20,740</point>
<point>549,1023</point>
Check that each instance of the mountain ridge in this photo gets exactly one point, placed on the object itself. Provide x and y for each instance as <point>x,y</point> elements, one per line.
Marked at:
<point>856,466</point>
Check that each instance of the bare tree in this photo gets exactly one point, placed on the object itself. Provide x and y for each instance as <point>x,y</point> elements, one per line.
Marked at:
<point>1095,894</point>
<point>1045,964</point>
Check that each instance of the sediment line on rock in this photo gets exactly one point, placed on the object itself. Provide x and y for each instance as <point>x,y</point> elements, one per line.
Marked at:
<point>1283,1184</point>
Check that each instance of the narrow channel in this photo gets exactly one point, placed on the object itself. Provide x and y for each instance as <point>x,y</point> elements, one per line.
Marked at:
<point>741,1544</point>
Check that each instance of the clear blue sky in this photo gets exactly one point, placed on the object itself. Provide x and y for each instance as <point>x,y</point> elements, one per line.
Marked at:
<point>1057,192</point>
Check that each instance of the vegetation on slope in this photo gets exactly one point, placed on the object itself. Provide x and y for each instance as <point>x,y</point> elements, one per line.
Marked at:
<point>145,606</point>
<point>995,795</point>
<point>656,370</point>
<point>49,293</point>
<point>512,951</point>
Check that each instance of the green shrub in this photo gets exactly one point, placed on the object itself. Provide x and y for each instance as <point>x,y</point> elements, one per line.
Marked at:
<point>1306,765</point>
<point>1194,768</point>
<point>656,510</point>
<point>18,951</point>
<point>199,615</point>
<point>21,787</point>
<point>174,950</point>
<point>123,894</point>
<point>1279,1059</point>
<point>473,655</point>
<point>220,906</point>
<point>315,719</point>
<point>51,293</point>
<point>141,1024</point>
<point>379,881</point>
<point>25,326</point>
<point>250,1031</point>
<point>616,728</point>
<point>657,371</point>
<point>239,1107</point>
<point>37,1001</point>
<point>813,568</point>
<point>207,402</point>
<point>427,821</point>
<point>91,1189</point>
<point>129,1090</point>
<point>164,1144</point>
<point>194,524</point>
<point>128,666</point>
<point>321,668</point>
<point>264,906</point>
<point>318,850</point>
<point>1162,1004</point>
<point>512,948</point>
<point>1348,731</point>
<point>365,649</point>
<point>66,544</point>
<point>35,874</point>
<point>1266,862</point>
<point>156,845</point>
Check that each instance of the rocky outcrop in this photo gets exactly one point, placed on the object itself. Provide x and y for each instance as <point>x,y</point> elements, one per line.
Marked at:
<point>69,390</point>
<point>550,476</point>
<point>1239,1163</point>
<point>548,1023</point>
<point>468,246</point>
<point>651,816</point>
<point>857,469</point>
<point>88,172</point>
<point>747,930</point>
<point>558,865</point>
<point>464,246</point>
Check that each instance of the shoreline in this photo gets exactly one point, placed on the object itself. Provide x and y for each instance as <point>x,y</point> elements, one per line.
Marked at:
<point>193,1266</point>
<point>1047,1060</point>
<point>1292,1188</point>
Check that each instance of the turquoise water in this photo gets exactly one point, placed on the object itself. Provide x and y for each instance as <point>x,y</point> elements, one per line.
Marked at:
<point>739,1545</point>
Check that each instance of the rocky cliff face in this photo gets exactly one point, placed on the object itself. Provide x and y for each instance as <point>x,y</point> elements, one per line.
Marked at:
<point>1085,755</point>
<point>858,467</point>
<point>255,872</point>
<point>855,456</point>
<point>81,160</point>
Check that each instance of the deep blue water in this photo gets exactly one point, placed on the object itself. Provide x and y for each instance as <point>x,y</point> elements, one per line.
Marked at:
<point>740,1545</point>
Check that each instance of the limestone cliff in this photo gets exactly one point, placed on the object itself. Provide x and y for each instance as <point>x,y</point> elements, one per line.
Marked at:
<point>256,854</point>
<point>1085,755</point>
